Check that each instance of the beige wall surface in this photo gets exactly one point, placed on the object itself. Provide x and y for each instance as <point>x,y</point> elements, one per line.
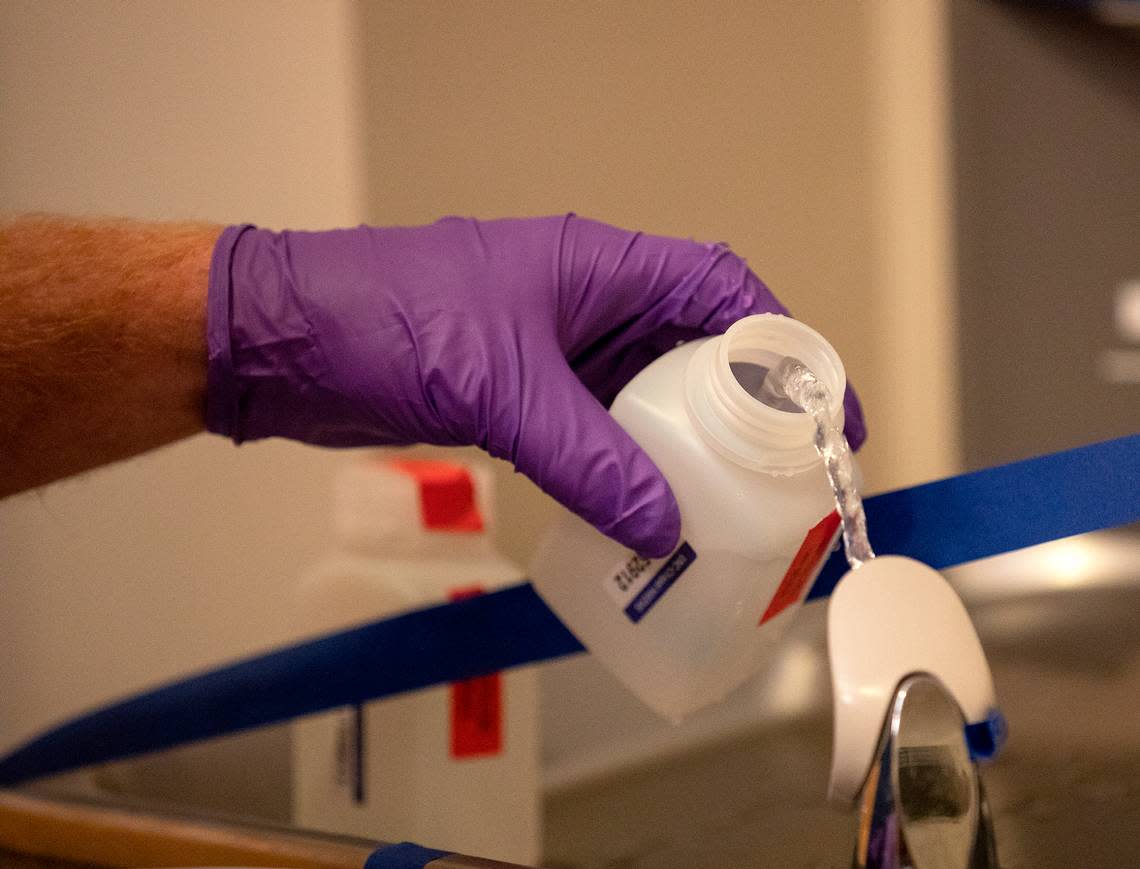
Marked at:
<point>811,136</point>
<point>221,111</point>
<point>728,121</point>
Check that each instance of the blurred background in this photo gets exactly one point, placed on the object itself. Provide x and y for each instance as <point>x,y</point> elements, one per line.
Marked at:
<point>947,190</point>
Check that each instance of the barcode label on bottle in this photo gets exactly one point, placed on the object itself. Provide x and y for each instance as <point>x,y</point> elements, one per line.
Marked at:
<point>637,584</point>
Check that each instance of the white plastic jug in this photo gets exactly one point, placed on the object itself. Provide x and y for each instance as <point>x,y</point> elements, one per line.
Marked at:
<point>419,766</point>
<point>757,521</point>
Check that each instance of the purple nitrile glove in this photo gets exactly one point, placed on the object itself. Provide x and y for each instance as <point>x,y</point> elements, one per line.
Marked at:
<point>509,334</point>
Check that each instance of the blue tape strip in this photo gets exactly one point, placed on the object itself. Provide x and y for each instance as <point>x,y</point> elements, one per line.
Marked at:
<point>446,643</point>
<point>406,855</point>
<point>1001,509</point>
<point>943,523</point>
<point>985,738</point>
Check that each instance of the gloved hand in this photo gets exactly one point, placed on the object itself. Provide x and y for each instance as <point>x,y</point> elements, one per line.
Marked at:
<point>510,334</point>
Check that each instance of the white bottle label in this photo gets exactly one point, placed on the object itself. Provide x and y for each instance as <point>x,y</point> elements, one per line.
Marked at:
<point>637,584</point>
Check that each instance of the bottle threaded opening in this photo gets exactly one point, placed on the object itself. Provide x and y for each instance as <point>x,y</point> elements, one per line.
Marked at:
<point>730,416</point>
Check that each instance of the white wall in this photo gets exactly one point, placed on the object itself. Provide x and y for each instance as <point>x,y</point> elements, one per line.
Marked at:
<point>912,328</point>
<point>810,136</point>
<point>220,111</point>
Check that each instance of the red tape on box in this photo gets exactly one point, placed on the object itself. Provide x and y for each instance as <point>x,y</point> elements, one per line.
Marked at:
<point>476,707</point>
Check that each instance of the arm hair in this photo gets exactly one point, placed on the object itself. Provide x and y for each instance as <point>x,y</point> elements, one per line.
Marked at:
<point>102,342</point>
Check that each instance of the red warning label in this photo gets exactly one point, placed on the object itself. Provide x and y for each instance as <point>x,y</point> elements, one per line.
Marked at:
<point>816,547</point>
<point>476,708</point>
<point>477,716</point>
<point>447,494</point>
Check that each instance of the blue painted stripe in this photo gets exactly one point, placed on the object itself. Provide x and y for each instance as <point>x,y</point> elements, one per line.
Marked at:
<point>943,523</point>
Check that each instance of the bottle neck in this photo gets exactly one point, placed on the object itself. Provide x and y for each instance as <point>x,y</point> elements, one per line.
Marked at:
<point>737,424</point>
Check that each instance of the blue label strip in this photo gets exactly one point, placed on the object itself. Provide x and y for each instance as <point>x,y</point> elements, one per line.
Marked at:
<point>943,523</point>
<point>662,580</point>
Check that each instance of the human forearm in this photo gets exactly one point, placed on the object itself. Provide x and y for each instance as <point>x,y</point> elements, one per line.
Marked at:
<point>510,334</point>
<point>102,342</point>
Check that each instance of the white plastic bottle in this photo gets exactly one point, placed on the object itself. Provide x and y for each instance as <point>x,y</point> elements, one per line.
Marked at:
<point>453,767</point>
<point>757,521</point>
